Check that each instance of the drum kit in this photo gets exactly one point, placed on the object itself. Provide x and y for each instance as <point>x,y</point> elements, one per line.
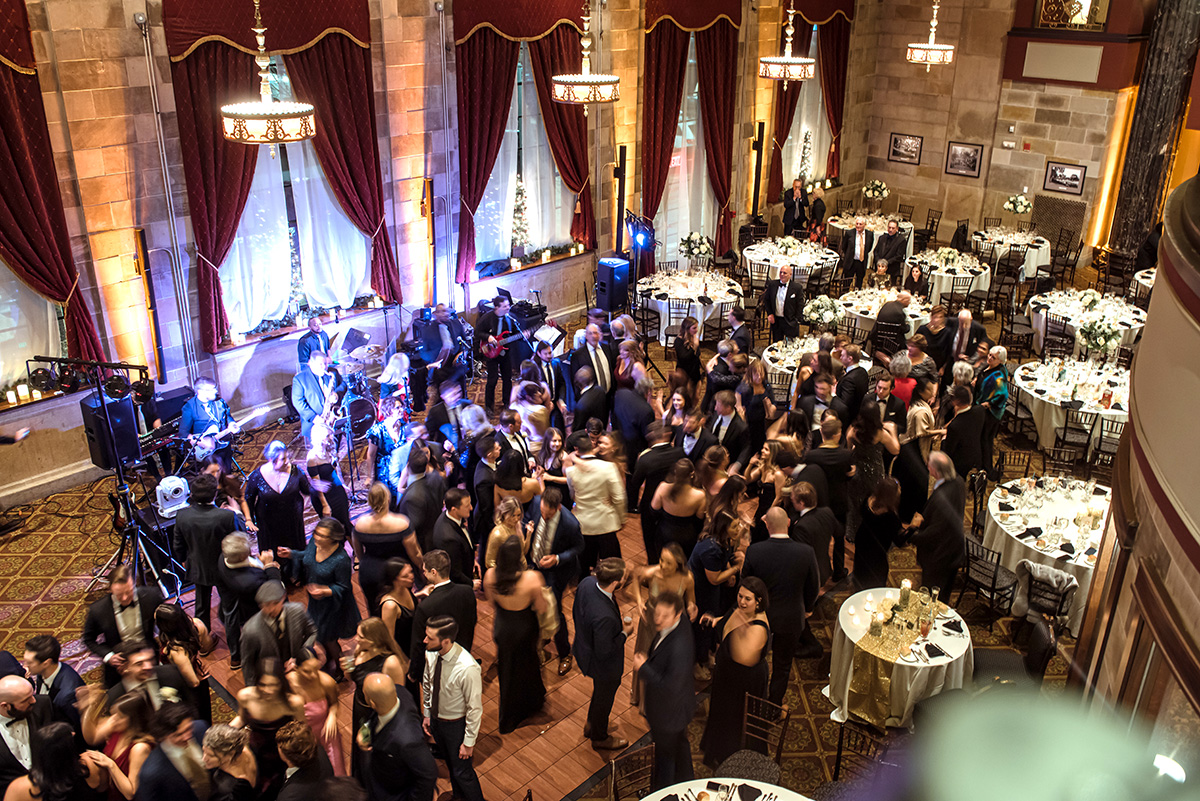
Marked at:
<point>358,410</point>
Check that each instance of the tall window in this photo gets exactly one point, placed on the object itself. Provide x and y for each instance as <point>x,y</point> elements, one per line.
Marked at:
<point>688,202</point>
<point>30,326</point>
<point>295,248</point>
<point>809,118</point>
<point>542,216</point>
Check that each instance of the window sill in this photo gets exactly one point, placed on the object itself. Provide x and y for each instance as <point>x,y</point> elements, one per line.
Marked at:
<point>280,333</point>
<point>536,264</point>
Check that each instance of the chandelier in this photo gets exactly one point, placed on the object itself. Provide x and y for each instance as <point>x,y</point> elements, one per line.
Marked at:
<point>587,86</point>
<point>930,53</point>
<point>787,67</point>
<point>267,121</point>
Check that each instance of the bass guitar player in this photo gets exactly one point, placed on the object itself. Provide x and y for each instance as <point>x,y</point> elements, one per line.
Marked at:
<point>492,329</point>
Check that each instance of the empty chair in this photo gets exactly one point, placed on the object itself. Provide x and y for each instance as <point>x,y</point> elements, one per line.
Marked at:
<point>906,212</point>
<point>977,484</point>
<point>1060,460</point>
<point>715,326</point>
<point>843,206</point>
<point>1017,418</point>
<point>992,583</point>
<point>1027,226</point>
<point>1067,237</point>
<point>632,774</point>
<point>1015,335</point>
<point>994,666</point>
<point>991,222</point>
<point>1014,259</point>
<point>860,748</point>
<point>648,320</point>
<point>764,728</point>
<point>760,272</point>
<point>889,338</point>
<point>838,286</point>
<point>677,310</point>
<point>854,327</point>
<point>960,289</point>
<point>1012,464</point>
<point>1125,358</point>
<point>781,387</point>
<point>923,236</point>
<point>1076,430</point>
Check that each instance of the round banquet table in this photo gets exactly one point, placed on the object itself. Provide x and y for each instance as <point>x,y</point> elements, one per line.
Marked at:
<point>1146,277</point>
<point>1037,255</point>
<point>803,264</point>
<point>1129,318</point>
<point>783,358</point>
<point>910,681</point>
<point>688,791</point>
<point>865,303</point>
<point>941,279</point>
<point>1007,536</point>
<point>875,223</point>
<point>680,286</point>
<point>1046,397</point>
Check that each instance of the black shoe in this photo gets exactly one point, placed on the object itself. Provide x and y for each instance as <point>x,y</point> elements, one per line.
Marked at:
<point>838,575</point>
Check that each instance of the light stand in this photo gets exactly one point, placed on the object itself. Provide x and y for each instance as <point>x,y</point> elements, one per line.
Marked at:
<point>641,234</point>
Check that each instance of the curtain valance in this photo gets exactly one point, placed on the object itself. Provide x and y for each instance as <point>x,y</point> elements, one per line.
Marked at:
<point>515,20</point>
<point>693,15</point>
<point>16,48</point>
<point>292,25</point>
<point>818,12</point>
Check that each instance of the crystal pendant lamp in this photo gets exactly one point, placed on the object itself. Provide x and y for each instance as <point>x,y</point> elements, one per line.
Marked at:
<point>586,86</point>
<point>931,53</point>
<point>787,67</point>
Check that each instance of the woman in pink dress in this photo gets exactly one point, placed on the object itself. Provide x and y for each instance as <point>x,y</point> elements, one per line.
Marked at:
<point>320,694</point>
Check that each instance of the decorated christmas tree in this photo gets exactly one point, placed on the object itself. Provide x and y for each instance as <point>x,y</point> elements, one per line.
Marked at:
<point>806,157</point>
<point>520,224</point>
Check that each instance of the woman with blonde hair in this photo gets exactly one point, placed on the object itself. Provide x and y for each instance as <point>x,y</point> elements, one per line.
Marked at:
<point>230,763</point>
<point>377,536</point>
<point>324,473</point>
<point>631,364</point>
<point>508,524</point>
<point>275,492</point>
<point>393,381</point>
<point>711,470</point>
<point>534,403</point>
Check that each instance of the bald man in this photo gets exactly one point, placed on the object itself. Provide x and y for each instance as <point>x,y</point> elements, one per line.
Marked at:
<point>789,569</point>
<point>21,714</point>
<point>397,763</point>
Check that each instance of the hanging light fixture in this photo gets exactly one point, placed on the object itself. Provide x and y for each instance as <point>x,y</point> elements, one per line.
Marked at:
<point>787,67</point>
<point>587,86</point>
<point>930,53</point>
<point>267,121</point>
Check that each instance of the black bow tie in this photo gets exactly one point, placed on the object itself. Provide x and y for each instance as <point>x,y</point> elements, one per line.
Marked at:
<point>122,607</point>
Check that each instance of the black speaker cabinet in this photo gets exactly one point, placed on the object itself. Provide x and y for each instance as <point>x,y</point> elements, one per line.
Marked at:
<point>124,433</point>
<point>612,283</point>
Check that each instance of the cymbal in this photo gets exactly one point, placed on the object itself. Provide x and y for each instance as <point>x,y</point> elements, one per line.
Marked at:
<point>351,366</point>
<point>367,353</point>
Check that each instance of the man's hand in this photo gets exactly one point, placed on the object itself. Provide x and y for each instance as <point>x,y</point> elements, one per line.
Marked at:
<point>917,520</point>
<point>771,319</point>
<point>465,751</point>
<point>289,666</point>
<point>639,659</point>
<point>548,561</point>
<point>284,552</point>
<point>476,585</point>
<point>426,727</point>
<point>358,738</point>
<point>117,662</point>
<point>627,626</point>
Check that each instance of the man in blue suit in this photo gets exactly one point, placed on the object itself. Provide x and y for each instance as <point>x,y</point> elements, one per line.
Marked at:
<point>312,388</point>
<point>175,768</point>
<point>399,765</point>
<point>600,638</point>
<point>54,678</point>
<point>554,549</point>
<point>670,693</point>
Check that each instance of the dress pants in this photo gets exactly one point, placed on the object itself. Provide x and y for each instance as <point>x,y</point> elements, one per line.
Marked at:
<point>203,607</point>
<point>858,271</point>
<point>672,757</point>
<point>839,553</point>
<point>600,707</point>
<point>991,427</point>
<point>562,637</point>
<point>233,633</point>
<point>500,367</point>
<point>597,547</point>
<point>448,736</point>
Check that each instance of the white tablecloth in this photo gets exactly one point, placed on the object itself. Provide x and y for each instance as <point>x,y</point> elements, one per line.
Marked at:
<point>878,225</point>
<point>1129,318</point>
<point>1002,536</point>
<point>680,286</point>
<point>911,681</point>
<point>865,303</point>
<point>1146,277</point>
<point>1087,379</point>
<point>802,264</point>
<point>941,279</point>
<point>696,785</point>
<point>783,357</point>
<point>1037,255</point>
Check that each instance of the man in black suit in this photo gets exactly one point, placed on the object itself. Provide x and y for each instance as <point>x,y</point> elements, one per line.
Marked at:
<point>854,384</point>
<point>421,501</point>
<point>740,333</point>
<point>452,534</point>
<point>817,527</point>
<point>440,344</point>
<point>729,429</point>
<point>554,549</point>
<point>238,578</point>
<point>651,469</point>
<point>281,629</point>
<point>802,471</point>
<point>443,423</point>
<point>397,764</point>
<point>199,528</point>
<point>493,327</point>
<point>175,768</point>
<point>789,569</point>
<point>590,400</point>
<point>894,313</point>
<point>600,637</point>
<point>781,299</point>
<point>632,416</point>
<point>315,389</point>
<point>140,671</point>
<point>126,613</point>
<point>554,376</point>
<point>964,432</point>
<point>488,451</point>
<point>600,357</point>
<point>22,713</point>
<point>10,666</point>
<point>892,408</point>
<point>669,690</point>
<point>939,536</point>
<point>53,678</point>
<point>838,463</point>
<point>445,598</point>
<point>856,251</point>
<point>693,438</point>
<point>299,750</point>
<point>314,339</point>
<point>815,406</point>
<point>794,202</point>
<point>964,343</point>
<point>892,247</point>
<point>720,373</point>
<point>510,438</point>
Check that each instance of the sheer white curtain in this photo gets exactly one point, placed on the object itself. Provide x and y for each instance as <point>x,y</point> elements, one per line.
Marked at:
<point>549,205</point>
<point>28,327</point>
<point>335,257</point>
<point>688,203</point>
<point>810,116</point>
<point>493,219</point>
<point>256,277</point>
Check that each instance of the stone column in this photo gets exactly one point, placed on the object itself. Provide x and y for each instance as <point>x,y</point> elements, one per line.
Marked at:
<point>1166,76</point>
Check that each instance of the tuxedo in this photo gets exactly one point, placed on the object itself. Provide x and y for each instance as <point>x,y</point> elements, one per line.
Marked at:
<point>851,390</point>
<point>554,375</point>
<point>793,210</point>
<point>259,639</point>
<point>582,357</point>
<point>704,441</point>
<point>631,416</point>
<point>817,528</point>
<point>448,536</point>
<point>421,502</point>
<point>9,666</point>
<point>939,539</point>
<point>101,633</point>
<point>894,411</point>
<point>167,677</point>
<point>160,779</point>
<point>786,324</point>
<point>199,529</point>
<point>522,446</point>
<point>744,338</point>
<point>309,342</point>
<point>309,394</point>
<point>567,545</point>
<point>975,333</point>
<point>485,504</point>
<point>651,469</point>
<point>306,783</point>
<point>451,599</point>
<point>735,437</point>
<point>599,649</point>
<point>809,404</point>
<point>891,248</point>
<point>237,587</point>
<point>789,569</point>
<point>62,694</point>
<point>670,702</point>
<point>814,474</point>
<point>399,766</point>
<point>964,440</point>
<point>11,769</point>
<point>852,265</point>
<point>592,403</point>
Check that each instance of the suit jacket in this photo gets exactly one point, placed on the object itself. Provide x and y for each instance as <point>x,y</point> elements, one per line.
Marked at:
<point>400,766</point>
<point>793,211</point>
<point>167,676</point>
<point>599,491</point>
<point>816,212</point>
<point>431,339</point>
<point>237,587</point>
<point>893,312</point>
<point>450,599</point>
<point>836,462</point>
<point>670,691</point>
<point>939,539</point>
<point>704,441</point>
<point>62,694</point>
<point>309,398</point>
<point>41,714</point>
<point>305,784</point>
<point>195,419</point>
<point>815,474</point>
<point>789,569</point>
<point>560,388</point>
<point>808,405</point>
<point>816,529</point>
<point>160,779</point>
<point>581,357</point>
<point>851,390</point>
<point>651,470</point>
<point>421,503</point>
<point>486,326</point>
<point>258,640</point>
<point>567,546</point>
<point>848,243</point>
<point>100,632</point>
<point>485,503</point>
<point>599,641</point>
<point>631,416</point>
<point>310,342</point>
<point>736,438</point>
<point>794,292</point>
<point>448,537</point>
<point>974,334</point>
<point>894,411</point>
<point>744,338</point>
<point>9,666</point>
<point>892,250</point>
<point>592,403</point>
<point>964,440</point>
<point>199,529</point>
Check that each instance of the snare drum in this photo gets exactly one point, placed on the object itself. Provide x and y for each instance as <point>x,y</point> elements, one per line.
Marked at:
<point>362,415</point>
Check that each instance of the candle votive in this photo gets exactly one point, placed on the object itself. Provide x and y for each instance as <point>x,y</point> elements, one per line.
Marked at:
<point>37,394</point>
<point>545,256</point>
<point>852,612</point>
<point>905,592</point>
<point>23,391</point>
<point>12,397</point>
<point>856,621</point>
<point>877,625</point>
<point>514,263</point>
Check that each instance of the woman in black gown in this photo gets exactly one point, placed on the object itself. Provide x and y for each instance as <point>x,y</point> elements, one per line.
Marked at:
<point>767,479</point>
<point>380,535</point>
<point>741,670</point>
<point>517,597</point>
<point>758,404</point>
<point>680,507</point>
<point>376,652</point>
<point>264,709</point>
<point>275,492</point>
<point>230,764</point>
<point>687,350</point>
<point>550,459</point>
<point>877,533</point>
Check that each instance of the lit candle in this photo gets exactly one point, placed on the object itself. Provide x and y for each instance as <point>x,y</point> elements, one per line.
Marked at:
<point>545,255</point>
<point>877,624</point>
<point>905,592</point>
<point>23,391</point>
<point>237,339</point>
<point>871,597</point>
<point>856,621</point>
<point>828,183</point>
<point>12,398</point>
<point>852,612</point>
<point>37,394</point>
<point>514,263</point>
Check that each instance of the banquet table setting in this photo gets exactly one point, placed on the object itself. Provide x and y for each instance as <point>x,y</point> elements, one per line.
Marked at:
<point>1052,521</point>
<point>721,789</point>
<point>1049,389</point>
<point>786,355</point>
<point>882,664</point>
<point>1038,254</point>
<point>1080,308</point>
<point>1146,277</point>
<point>801,255</point>
<point>943,265</point>
<point>865,304</point>
<point>875,222</point>
<point>703,289</point>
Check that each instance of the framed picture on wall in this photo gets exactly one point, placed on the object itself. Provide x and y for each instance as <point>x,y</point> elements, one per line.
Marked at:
<point>964,159</point>
<point>1065,178</point>
<point>905,148</point>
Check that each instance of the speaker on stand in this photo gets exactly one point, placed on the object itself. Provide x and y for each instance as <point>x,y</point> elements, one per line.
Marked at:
<point>124,431</point>
<point>612,283</point>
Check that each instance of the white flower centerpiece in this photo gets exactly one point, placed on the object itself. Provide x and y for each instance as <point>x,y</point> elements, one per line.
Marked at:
<point>1018,204</point>
<point>1088,298</point>
<point>789,246</point>
<point>875,190</point>
<point>1101,337</point>
<point>823,312</point>
<point>946,256</point>
<point>695,247</point>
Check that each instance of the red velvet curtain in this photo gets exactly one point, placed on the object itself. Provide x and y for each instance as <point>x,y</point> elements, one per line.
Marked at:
<point>566,126</point>
<point>786,101</point>
<point>833,45</point>
<point>291,24</point>
<point>526,21</point>
<point>218,172</point>
<point>335,76</point>
<point>486,76</point>
<point>716,64</point>
<point>664,66</point>
<point>34,242</point>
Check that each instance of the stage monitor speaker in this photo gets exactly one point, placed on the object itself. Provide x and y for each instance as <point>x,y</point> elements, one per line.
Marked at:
<point>612,283</point>
<point>124,433</point>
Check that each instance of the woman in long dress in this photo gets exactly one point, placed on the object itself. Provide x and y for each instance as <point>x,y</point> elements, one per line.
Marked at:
<point>741,670</point>
<point>517,598</point>
<point>319,692</point>
<point>757,402</point>
<point>385,441</point>
<point>123,735</point>
<point>768,480</point>
<point>911,467</point>
<point>264,709</point>
<point>550,460</point>
<point>869,436</point>
<point>687,350</point>
<point>680,507</point>
<point>715,565</point>
<point>325,572</point>
<point>325,476</point>
<point>375,652</point>
<point>397,604</point>
<point>378,536</point>
<point>275,492</point>
<point>878,532</point>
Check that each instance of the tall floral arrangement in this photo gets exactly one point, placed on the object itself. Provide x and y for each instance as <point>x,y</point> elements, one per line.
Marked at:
<point>875,190</point>
<point>1018,204</point>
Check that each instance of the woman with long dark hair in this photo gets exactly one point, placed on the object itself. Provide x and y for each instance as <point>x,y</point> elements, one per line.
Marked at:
<point>397,604</point>
<point>231,491</point>
<point>517,598</point>
<point>319,693</point>
<point>123,735</point>
<point>714,565</point>
<point>679,407</point>
<point>550,460</point>
<point>687,350</point>
<point>869,436</point>
<point>325,571</point>
<point>711,470</point>
<point>768,480</point>
<point>877,533</point>
<point>181,640</point>
<point>680,507</point>
<point>375,652</point>
<point>264,709</point>
<point>385,440</point>
<point>325,475</point>
<point>56,770</point>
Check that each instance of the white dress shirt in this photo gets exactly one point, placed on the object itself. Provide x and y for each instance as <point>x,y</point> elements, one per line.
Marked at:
<point>724,421</point>
<point>386,717</point>
<point>129,621</point>
<point>16,737</point>
<point>860,238</point>
<point>45,683</point>
<point>780,299</point>
<point>461,689</point>
<point>600,365</point>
